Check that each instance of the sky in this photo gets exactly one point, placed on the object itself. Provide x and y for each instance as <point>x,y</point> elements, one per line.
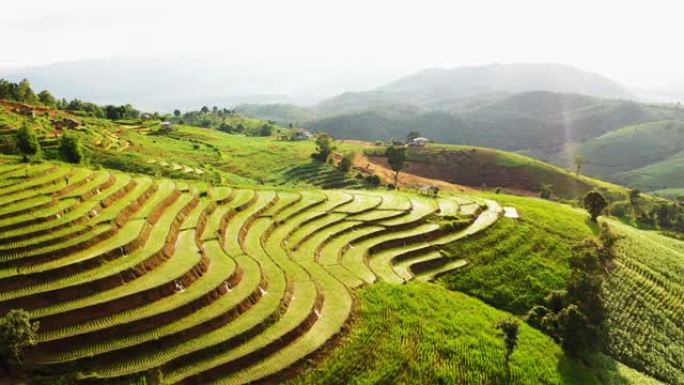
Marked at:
<point>637,43</point>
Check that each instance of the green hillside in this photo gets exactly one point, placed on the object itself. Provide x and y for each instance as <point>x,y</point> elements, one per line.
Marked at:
<point>631,148</point>
<point>662,177</point>
<point>204,255</point>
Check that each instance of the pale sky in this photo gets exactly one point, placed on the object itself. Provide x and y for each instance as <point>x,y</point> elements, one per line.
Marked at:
<point>638,43</point>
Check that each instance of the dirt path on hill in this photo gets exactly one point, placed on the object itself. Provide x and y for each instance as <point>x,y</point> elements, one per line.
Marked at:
<point>379,166</point>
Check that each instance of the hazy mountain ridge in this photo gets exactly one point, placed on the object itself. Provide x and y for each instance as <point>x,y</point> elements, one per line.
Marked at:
<point>550,126</point>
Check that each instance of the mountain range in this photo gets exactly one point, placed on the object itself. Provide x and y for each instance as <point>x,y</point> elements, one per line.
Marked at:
<point>552,112</point>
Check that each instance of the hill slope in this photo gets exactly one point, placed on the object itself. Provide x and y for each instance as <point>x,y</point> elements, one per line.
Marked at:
<point>489,168</point>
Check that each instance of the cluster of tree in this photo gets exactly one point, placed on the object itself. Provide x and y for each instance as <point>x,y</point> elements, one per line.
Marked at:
<point>22,92</point>
<point>205,117</point>
<point>575,317</point>
<point>219,118</point>
<point>664,215</point>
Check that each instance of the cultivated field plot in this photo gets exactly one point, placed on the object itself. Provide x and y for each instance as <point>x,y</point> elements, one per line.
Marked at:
<point>212,285</point>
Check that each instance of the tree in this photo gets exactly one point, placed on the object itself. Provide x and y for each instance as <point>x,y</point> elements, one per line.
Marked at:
<point>25,93</point>
<point>16,332</point>
<point>70,148</point>
<point>634,195</point>
<point>396,157</point>
<point>576,332</point>
<point>266,130</point>
<point>579,163</point>
<point>412,135</point>
<point>679,223</point>
<point>176,113</point>
<point>8,90</point>
<point>510,329</point>
<point>46,98</point>
<point>324,147</point>
<point>205,109</point>
<point>663,215</point>
<point>27,141</point>
<point>594,202</point>
<point>373,180</point>
<point>225,127</point>
<point>345,163</point>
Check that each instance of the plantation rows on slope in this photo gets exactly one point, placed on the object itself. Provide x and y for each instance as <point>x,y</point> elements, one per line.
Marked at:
<point>130,275</point>
<point>645,297</point>
<point>391,343</point>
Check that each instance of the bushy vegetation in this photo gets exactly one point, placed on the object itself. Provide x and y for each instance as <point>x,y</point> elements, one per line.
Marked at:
<point>575,317</point>
<point>70,148</point>
<point>225,120</point>
<point>22,92</point>
<point>324,147</point>
<point>17,332</point>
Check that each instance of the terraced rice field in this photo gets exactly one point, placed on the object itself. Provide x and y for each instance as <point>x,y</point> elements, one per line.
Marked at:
<point>133,276</point>
<point>318,174</point>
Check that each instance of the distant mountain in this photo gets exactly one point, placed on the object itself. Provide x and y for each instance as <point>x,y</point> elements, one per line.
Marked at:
<point>442,88</point>
<point>539,120</point>
<point>468,81</point>
<point>623,141</point>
